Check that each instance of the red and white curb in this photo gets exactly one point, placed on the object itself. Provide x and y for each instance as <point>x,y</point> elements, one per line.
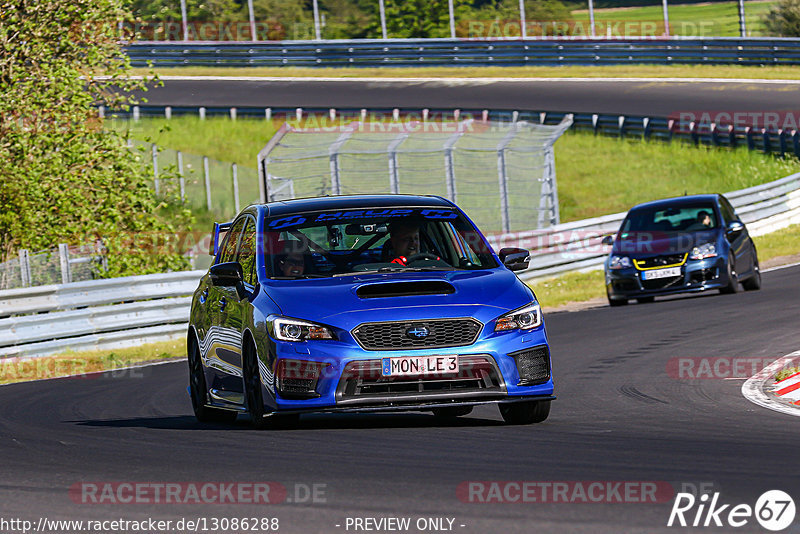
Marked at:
<point>779,396</point>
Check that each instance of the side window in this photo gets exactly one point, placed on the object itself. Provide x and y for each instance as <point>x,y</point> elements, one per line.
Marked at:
<point>247,252</point>
<point>727,211</point>
<point>228,252</point>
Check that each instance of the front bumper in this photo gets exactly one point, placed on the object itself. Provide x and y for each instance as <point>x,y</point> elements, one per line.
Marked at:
<point>351,381</point>
<point>696,276</point>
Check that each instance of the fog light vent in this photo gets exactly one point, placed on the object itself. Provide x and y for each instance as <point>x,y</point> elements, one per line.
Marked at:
<point>533,365</point>
<point>298,379</point>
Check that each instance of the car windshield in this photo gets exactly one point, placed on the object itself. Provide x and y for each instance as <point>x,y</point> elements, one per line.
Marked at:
<point>672,219</point>
<point>338,242</point>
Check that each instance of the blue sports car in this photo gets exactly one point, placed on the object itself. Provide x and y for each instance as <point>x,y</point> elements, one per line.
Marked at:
<point>364,303</point>
<point>680,245</point>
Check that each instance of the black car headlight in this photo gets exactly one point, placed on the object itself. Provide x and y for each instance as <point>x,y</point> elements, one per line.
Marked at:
<point>619,262</point>
<point>287,329</point>
<point>524,318</point>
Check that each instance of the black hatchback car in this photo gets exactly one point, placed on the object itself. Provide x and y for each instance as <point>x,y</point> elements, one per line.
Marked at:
<point>678,245</point>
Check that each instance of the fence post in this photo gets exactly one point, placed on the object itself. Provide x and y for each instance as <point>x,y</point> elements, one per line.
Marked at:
<point>181,179</point>
<point>63,257</point>
<point>168,112</point>
<point>782,141</point>
<point>268,114</point>
<point>502,176</point>
<point>202,113</point>
<point>154,152</point>
<point>646,128</point>
<point>207,182</point>
<point>767,139</point>
<point>394,179</point>
<point>233,114</point>
<point>449,167</point>
<point>235,178</point>
<point>24,268</point>
<point>136,113</point>
<point>621,121</point>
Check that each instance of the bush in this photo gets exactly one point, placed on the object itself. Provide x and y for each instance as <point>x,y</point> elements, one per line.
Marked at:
<point>783,20</point>
<point>64,179</point>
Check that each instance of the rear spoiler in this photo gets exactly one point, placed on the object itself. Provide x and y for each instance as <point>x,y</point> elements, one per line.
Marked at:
<point>218,234</point>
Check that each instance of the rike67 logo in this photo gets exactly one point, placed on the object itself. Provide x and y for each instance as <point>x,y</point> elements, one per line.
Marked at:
<point>774,510</point>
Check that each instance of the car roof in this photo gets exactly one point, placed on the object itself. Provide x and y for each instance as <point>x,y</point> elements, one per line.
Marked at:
<point>300,205</point>
<point>678,201</point>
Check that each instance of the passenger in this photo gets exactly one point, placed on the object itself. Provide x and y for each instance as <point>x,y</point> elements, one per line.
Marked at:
<point>293,261</point>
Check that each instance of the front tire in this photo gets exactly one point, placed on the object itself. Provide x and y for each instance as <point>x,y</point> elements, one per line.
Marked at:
<point>197,391</point>
<point>252,388</point>
<point>733,281</point>
<point>525,413</point>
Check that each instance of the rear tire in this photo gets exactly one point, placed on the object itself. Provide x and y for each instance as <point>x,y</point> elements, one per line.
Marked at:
<point>733,281</point>
<point>449,412</point>
<point>754,282</point>
<point>198,389</point>
<point>645,300</point>
<point>525,413</point>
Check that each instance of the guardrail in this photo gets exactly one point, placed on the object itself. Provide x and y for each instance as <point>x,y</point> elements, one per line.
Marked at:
<point>468,52</point>
<point>129,311</point>
<point>110,313</point>
<point>576,246</point>
<point>666,129</point>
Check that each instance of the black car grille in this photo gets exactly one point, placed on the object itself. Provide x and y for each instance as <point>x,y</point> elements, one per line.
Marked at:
<point>362,380</point>
<point>533,365</point>
<point>395,335</point>
<point>660,261</point>
<point>662,283</point>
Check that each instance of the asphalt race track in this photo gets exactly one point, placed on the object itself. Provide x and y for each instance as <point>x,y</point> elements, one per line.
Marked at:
<point>619,416</point>
<point>649,98</point>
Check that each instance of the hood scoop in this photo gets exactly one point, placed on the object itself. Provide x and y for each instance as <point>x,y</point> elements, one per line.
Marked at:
<point>405,289</point>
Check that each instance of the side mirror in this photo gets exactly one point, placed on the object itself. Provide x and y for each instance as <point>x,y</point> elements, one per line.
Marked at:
<point>608,240</point>
<point>734,227</point>
<point>516,259</point>
<point>226,274</point>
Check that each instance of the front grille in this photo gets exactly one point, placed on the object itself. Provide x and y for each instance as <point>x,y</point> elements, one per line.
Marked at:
<point>662,283</point>
<point>395,335</point>
<point>703,275</point>
<point>533,365</point>
<point>660,261</point>
<point>362,380</point>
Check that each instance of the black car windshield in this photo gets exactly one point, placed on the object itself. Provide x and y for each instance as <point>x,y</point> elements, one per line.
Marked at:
<point>672,219</point>
<point>338,242</point>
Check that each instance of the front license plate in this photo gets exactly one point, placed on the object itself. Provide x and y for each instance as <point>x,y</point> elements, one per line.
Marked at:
<point>419,365</point>
<point>661,273</point>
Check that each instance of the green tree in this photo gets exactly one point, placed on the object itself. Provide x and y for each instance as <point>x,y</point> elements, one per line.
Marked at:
<point>783,19</point>
<point>419,18</point>
<point>65,178</point>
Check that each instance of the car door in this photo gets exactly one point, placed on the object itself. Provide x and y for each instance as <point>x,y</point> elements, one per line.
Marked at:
<point>223,344</point>
<point>741,247</point>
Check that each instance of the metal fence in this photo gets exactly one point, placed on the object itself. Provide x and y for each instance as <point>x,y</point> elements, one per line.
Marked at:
<point>219,187</point>
<point>63,265</point>
<point>501,174</point>
<point>469,52</point>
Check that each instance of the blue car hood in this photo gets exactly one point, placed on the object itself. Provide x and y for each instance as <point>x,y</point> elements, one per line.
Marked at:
<point>484,295</point>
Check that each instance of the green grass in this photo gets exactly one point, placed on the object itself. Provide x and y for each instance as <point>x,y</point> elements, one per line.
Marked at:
<point>86,362</point>
<point>786,373</point>
<point>720,19</point>
<point>605,71</point>
<point>784,242</point>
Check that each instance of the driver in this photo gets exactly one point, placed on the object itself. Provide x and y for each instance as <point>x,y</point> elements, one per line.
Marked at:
<point>404,239</point>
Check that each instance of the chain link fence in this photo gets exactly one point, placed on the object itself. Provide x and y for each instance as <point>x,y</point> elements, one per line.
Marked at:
<point>56,266</point>
<point>501,174</point>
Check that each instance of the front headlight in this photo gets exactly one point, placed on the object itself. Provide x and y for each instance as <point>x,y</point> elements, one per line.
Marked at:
<point>524,318</point>
<point>709,250</point>
<point>619,262</point>
<point>287,329</point>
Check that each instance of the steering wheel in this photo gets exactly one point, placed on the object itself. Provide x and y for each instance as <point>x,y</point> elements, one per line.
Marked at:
<point>422,256</point>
